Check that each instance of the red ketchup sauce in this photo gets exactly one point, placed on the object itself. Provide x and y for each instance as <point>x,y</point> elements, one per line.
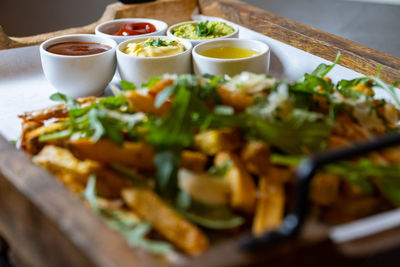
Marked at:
<point>136,29</point>
<point>78,48</point>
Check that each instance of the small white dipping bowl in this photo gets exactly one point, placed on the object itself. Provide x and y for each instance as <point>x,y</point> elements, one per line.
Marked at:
<point>109,27</point>
<point>139,70</point>
<point>198,41</point>
<point>216,66</point>
<point>79,76</point>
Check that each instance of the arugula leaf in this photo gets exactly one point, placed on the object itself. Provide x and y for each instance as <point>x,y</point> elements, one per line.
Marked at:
<point>136,237</point>
<point>212,217</point>
<point>113,102</point>
<point>221,169</point>
<point>203,30</point>
<point>90,194</point>
<point>71,103</point>
<point>361,174</point>
<point>301,132</point>
<point>323,69</point>
<point>285,160</point>
<point>152,81</point>
<point>56,135</point>
<point>167,164</point>
<point>134,232</point>
<point>135,178</point>
<point>313,84</point>
<point>127,86</point>
<point>177,128</point>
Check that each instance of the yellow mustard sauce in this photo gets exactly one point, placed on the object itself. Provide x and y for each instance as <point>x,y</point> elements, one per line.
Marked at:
<point>229,52</point>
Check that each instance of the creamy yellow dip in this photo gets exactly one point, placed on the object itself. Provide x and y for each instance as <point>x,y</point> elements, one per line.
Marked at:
<point>155,48</point>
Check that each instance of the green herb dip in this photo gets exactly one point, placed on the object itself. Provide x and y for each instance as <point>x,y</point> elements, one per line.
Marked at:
<point>188,30</point>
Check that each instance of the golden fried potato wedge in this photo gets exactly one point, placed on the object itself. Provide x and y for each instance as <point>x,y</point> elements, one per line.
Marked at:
<point>280,174</point>
<point>55,111</point>
<point>324,189</point>
<point>193,160</point>
<point>159,86</point>
<point>255,155</point>
<point>75,173</point>
<point>31,142</point>
<point>134,154</point>
<point>236,99</point>
<point>166,221</point>
<point>204,188</point>
<point>60,160</point>
<point>270,206</point>
<point>243,189</point>
<point>145,103</point>
<point>211,142</point>
<point>138,155</point>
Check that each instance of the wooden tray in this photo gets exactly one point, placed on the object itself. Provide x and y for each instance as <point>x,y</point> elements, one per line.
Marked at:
<point>46,225</point>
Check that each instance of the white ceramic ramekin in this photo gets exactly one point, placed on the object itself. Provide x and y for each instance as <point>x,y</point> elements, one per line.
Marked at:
<point>216,66</point>
<point>109,27</point>
<point>198,41</point>
<point>139,70</point>
<point>79,76</point>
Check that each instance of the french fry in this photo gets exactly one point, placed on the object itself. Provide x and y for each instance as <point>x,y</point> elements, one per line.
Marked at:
<point>280,174</point>
<point>60,160</point>
<point>193,160</point>
<point>61,163</point>
<point>75,173</point>
<point>159,86</point>
<point>348,209</point>
<point>203,188</point>
<point>255,155</point>
<point>28,126</point>
<point>110,184</point>
<point>236,99</point>
<point>31,142</point>
<point>211,142</point>
<point>138,155</point>
<point>324,189</point>
<point>166,221</point>
<point>243,189</point>
<point>270,206</point>
<point>55,111</point>
<point>145,103</point>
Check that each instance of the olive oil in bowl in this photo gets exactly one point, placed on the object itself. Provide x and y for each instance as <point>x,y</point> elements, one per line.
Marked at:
<point>229,52</point>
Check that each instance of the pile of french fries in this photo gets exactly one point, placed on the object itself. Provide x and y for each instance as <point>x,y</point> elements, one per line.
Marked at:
<point>252,186</point>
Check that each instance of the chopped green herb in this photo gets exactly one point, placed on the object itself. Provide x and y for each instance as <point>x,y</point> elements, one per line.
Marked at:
<point>159,43</point>
<point>221,169</point>
<point>202,29</point>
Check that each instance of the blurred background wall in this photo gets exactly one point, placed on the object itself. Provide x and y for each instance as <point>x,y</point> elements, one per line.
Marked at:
<point>375,23</point>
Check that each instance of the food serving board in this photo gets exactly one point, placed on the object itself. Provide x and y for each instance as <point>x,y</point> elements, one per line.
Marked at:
<point>53,224</point>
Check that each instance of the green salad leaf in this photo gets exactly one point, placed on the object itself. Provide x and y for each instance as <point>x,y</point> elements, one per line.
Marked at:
<point>127,86</point>
<point>212,217</point>
<point>220,170</point>
<point>363,174</point>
